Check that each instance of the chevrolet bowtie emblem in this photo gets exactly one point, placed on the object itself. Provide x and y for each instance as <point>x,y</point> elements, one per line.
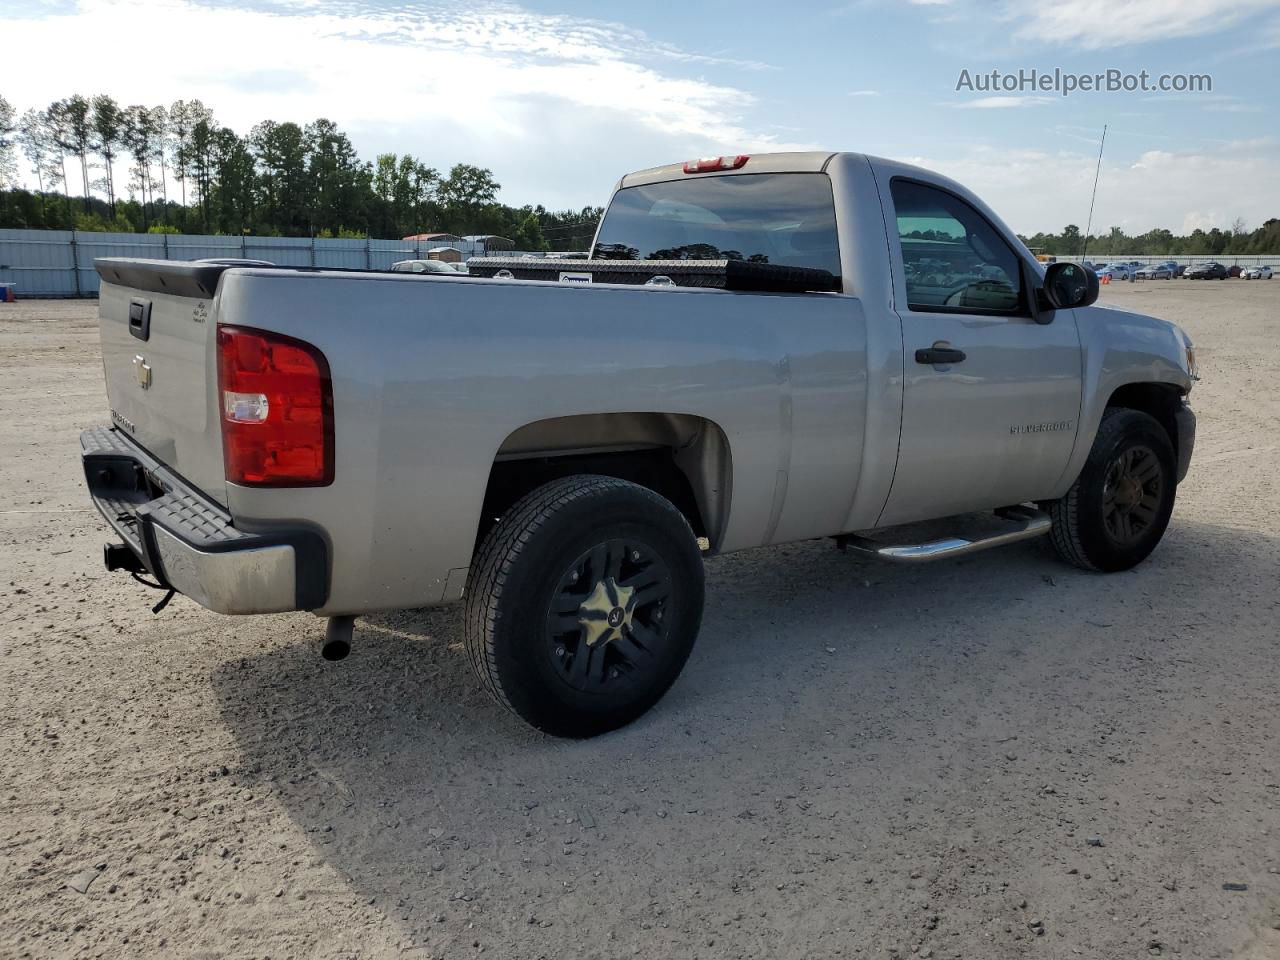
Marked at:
<point>142,371</point>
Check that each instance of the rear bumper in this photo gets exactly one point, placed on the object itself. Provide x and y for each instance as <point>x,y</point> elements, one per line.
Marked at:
<point>1186,421</point>
<point>190,544</point>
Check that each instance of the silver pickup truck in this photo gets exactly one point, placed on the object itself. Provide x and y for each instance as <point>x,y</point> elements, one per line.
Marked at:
<point>759,350</point>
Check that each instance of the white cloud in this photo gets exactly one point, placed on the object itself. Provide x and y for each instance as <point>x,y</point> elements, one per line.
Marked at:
<point>1100,24</point>
<point>1001,103</point>
<point>559,107</point>
<point>1045,190</point>
<point>1196,220</point>
<point>556,106</point>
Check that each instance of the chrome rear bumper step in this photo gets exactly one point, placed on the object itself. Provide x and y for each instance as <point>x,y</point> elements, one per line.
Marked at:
<point>1026,524</point>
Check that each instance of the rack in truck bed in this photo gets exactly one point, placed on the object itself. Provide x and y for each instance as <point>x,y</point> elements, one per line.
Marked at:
<point>714,274</point>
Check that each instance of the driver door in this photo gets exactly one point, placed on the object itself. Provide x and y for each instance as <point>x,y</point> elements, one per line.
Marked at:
<point>991,398</point>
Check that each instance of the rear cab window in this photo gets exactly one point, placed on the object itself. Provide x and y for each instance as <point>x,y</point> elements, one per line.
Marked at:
<point>779,218</point>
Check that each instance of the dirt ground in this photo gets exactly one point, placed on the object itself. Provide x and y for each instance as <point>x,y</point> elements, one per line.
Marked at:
<point>992,757</point>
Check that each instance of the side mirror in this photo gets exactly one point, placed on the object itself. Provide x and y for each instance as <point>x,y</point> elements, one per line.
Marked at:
<point>1068,285</point>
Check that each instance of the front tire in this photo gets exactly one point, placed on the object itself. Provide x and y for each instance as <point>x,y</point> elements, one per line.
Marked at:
<point>583,604</point>
<point>1116,512</point>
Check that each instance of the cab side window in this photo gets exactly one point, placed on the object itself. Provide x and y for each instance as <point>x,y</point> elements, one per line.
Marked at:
<point>955,262</point>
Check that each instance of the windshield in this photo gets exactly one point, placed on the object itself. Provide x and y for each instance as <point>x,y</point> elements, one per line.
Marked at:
<point>782,218</point>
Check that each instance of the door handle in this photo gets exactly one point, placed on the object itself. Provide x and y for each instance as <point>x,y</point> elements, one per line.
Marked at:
<point>939,354</point>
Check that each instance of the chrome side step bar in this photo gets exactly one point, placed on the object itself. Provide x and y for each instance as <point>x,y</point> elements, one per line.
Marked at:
<point>1027,521</point>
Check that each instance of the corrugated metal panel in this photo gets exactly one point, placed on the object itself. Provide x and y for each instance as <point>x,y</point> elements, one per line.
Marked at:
<point>197,247</point>
<point>338,252</point>
<point>383,253</point>
<point>38,262</point>
<point>285,251</point>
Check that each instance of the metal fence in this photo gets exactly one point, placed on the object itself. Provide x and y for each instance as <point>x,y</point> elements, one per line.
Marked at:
<point>59,263</point>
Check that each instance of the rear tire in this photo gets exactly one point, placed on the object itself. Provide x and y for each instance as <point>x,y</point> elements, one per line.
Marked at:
<point>583,604</point>
<point>1116,512</point>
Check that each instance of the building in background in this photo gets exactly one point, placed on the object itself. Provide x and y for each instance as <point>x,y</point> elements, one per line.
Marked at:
<point>483,243</point>
<point>477,245</point>
<point>435,239</point>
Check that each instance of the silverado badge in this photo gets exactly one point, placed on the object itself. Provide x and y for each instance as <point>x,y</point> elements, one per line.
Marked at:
<point>1053,427</point>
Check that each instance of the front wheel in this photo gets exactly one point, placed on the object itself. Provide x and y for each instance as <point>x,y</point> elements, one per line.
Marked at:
<point>1117,510</point>
<point>583,604</point>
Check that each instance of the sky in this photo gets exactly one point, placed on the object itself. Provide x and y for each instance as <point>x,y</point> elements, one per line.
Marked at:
<point>559,99</point>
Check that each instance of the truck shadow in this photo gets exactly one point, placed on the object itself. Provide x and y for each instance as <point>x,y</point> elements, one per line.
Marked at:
<point>815,671</point>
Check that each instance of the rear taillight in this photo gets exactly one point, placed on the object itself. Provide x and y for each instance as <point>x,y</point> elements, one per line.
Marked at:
<point>276,407</point>
<point>707,164</point>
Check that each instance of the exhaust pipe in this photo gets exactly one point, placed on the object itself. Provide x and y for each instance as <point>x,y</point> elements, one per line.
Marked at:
<point>336,643</point>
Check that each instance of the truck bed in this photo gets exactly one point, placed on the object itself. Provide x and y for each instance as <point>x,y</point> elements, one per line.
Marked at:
<point>434,376</point>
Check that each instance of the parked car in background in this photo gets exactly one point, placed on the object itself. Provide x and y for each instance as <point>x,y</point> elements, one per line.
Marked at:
<point>1235,270</point>
<point>423,266</point>
<point>1257,272</point>
<point>1209,270</point>
<point>1179,269</point>
<point>1116,271</point>
<point>1157,271</point>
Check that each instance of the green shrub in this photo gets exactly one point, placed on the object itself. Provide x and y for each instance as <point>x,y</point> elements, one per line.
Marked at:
<point>91,223</point>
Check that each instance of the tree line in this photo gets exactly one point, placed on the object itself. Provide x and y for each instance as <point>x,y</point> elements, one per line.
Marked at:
<point>1237,239</point>
<point>102,166</point>
<point>98,165</point>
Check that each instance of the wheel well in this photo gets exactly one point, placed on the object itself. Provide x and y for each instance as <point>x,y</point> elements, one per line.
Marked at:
<point>684,458</point>
<point>1159,400</point>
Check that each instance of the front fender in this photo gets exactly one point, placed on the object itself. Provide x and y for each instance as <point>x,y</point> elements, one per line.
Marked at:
<point>1120,348</point>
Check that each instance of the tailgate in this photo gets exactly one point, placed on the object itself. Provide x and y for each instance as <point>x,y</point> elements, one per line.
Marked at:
<point>157,328</point>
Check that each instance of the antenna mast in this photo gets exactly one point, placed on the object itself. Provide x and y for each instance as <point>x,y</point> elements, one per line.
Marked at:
<point>1089,224</point>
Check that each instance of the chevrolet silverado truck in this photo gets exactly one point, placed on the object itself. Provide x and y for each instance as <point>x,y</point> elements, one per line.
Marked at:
<point>759,350</point>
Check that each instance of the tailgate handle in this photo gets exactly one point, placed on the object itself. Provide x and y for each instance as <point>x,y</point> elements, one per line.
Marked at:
<point>140,318</point>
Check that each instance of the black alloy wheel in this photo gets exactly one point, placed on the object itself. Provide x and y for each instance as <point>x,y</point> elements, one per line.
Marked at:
<point>1131,494</point>
<point>583,603</point>
<point>607,623</point>
<point>1117,510</point>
